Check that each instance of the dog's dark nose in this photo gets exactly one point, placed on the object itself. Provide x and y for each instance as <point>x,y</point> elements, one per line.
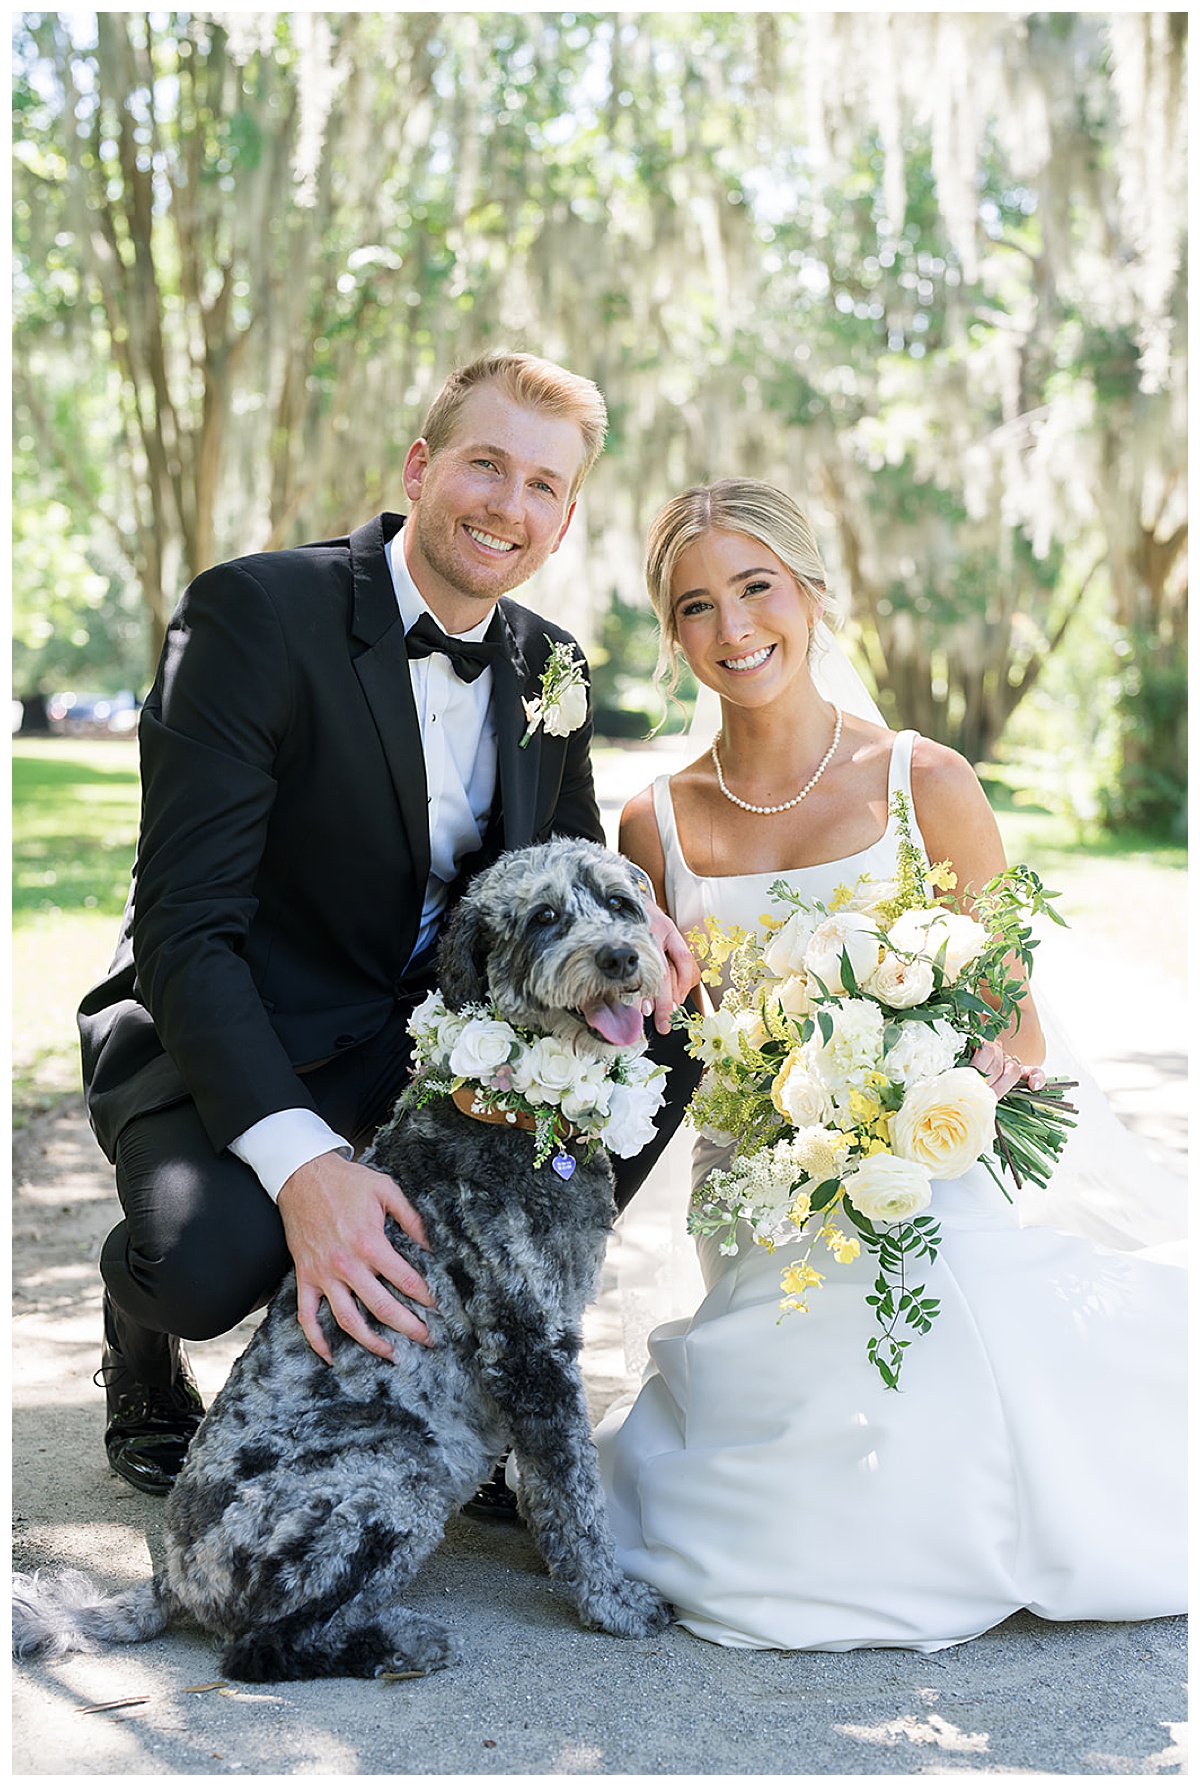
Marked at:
<point>618,964</point>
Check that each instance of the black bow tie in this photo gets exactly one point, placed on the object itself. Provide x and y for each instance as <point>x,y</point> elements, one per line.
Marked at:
<point>468,660</point>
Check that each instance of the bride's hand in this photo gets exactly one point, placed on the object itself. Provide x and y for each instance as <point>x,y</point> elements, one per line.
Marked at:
<point>682,971</point>
<point>1002,1072</point>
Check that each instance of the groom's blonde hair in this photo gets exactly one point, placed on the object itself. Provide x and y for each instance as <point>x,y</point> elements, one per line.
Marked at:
<point>534,383</point>
<point>735,506</point>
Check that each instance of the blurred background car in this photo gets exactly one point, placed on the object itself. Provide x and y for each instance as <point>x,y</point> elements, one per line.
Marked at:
<point>91,716</point>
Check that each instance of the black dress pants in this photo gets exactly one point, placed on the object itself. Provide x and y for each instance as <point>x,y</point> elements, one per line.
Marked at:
<point>202,1245</point>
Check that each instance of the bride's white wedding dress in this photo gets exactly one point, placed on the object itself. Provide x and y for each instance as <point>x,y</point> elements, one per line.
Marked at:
<point>768,1485</point>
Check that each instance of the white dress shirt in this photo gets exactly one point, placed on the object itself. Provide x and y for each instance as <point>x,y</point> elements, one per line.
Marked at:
<point>458,735</point>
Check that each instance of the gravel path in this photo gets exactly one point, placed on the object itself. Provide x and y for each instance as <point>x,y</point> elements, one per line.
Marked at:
<point>536,1694</point>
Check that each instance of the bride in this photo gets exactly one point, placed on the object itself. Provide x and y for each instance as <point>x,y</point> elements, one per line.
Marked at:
<point>764,1480</point>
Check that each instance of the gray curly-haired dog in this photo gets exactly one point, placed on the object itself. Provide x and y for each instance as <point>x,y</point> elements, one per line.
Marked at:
<point>311,1495</point>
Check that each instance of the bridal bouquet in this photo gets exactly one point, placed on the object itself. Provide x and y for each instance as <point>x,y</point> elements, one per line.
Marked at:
<point>838,1064</point>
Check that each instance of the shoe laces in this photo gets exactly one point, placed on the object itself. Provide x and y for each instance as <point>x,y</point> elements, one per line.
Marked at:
<point>145,1403</point>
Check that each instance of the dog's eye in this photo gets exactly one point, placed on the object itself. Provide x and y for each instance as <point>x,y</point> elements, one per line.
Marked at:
<point>546,915</point>
<point>622,904</point>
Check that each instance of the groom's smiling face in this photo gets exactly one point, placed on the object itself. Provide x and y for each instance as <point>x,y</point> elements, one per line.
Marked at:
<point>490,507</point>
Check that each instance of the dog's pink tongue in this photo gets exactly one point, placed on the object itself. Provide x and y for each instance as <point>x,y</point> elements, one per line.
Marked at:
<point>619,1024</point>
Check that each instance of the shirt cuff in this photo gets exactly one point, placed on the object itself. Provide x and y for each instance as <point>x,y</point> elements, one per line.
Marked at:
<point>275,1146</point>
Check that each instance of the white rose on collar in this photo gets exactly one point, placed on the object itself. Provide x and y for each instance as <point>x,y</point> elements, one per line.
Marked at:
<point>483,1045</point>
<point>546,1070</point>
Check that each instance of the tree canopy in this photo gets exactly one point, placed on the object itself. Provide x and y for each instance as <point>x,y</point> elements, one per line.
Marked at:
<point>925,270</point>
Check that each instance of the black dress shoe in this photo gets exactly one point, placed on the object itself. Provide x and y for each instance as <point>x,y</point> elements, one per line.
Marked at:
<point>150,1426</point>
<point>493,1500</point>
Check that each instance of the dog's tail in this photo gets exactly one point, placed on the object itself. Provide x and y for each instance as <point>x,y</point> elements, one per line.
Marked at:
<point>64,1611</point>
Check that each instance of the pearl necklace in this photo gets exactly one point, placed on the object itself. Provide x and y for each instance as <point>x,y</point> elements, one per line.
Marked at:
<point>749,807</point>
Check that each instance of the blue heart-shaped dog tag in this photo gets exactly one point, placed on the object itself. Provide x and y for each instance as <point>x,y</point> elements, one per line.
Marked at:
<point>564,1164</point>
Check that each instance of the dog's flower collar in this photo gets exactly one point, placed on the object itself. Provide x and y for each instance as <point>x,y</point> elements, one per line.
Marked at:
<point>501,1067</point>
<point>562,705</point>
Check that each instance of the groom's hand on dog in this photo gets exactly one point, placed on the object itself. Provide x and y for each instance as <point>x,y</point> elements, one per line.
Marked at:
<point>333,1214</point>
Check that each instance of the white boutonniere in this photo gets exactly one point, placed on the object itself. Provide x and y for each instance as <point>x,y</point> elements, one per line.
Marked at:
<point>562,705</point>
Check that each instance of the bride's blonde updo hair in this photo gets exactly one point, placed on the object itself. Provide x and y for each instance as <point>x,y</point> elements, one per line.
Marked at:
<point>735,506</point>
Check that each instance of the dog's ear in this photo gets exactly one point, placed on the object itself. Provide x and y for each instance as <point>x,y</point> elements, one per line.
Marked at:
<point>462,956</point>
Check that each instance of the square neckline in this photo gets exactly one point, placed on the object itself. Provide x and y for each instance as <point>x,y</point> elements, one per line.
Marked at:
<point>896,772</point>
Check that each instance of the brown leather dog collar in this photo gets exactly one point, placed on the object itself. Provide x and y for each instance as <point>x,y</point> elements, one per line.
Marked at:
<point>469,1101</point>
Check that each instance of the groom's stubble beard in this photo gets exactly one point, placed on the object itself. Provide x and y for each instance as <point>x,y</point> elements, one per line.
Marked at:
<point>484,584</point>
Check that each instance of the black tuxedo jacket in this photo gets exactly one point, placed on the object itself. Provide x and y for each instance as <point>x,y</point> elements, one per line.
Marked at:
<point>284,846</point>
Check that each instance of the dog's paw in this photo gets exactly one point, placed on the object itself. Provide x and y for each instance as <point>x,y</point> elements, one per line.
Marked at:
<point>627,1608</point>
<point>421,1648</point>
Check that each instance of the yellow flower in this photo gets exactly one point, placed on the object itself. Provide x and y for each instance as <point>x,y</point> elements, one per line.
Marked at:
<point>844,895</point>
<point>844,1248</point>
<point>863,1108</point>
<point>801,1209</point>
<point>798,1278</point>
<point>943,877</point>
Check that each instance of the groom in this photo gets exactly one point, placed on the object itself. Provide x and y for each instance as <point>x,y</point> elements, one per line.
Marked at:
<point>331,747</point>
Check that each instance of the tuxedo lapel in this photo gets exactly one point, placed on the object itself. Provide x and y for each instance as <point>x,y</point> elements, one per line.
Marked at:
<point>518,766</point>
<point>382,669</point>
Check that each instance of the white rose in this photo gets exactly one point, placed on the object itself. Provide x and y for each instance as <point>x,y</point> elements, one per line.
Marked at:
<point>483,1045</point>
<point>793,996</point>
<point>945,1124</point>
<point>922,1051</point>
<point>630,1123</point>
<point>901,983</point>
<point>567,712</point>
<point>426,1017</point>
<point>799,1095</point>
<point>783,952</point>
<point>885,1189</point>
<point>450,1027</point>
<point>845,933</point>
<point>868,896</point>
<point>546,1070</point>
<point>932,928</point>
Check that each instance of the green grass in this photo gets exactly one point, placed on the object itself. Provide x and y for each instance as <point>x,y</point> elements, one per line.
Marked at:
<point>75,814</point>
<point>1050,839</point>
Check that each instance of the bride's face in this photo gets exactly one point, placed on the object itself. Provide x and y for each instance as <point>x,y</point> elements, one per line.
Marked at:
<point>742,620</point>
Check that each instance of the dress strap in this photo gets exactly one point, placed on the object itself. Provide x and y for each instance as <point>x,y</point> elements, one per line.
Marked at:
<point>678,881</point>
<point>900,768</point>
<point>900,782</point>
<point>664,813</point>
